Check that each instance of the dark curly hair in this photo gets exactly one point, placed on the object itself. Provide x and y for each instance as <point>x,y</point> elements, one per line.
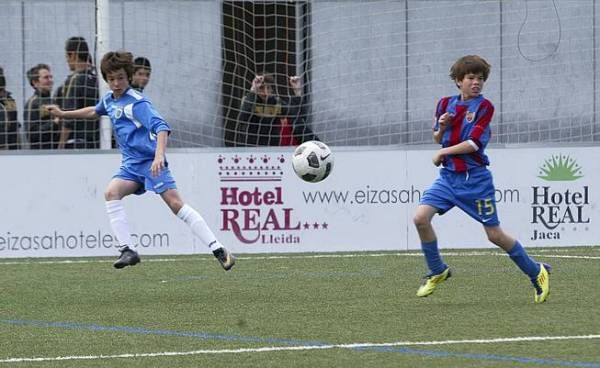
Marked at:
<point>114,60</point>
<point>470,64</point>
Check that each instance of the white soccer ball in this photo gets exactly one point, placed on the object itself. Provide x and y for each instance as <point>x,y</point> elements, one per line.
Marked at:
<point>312,161</point>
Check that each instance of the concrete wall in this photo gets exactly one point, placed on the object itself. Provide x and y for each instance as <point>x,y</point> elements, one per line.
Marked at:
<point>377,67</point>
<point>386,63</point>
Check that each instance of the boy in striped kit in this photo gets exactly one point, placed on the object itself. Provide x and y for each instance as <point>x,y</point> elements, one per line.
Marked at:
<point>462,127</point>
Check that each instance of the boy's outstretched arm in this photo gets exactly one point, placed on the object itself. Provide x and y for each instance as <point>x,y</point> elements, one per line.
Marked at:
<point>83,113</point>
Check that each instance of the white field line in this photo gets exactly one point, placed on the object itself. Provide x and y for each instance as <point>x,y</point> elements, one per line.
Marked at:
<point>301,348</point>
<point>305,256</point>
<point>564,256</point>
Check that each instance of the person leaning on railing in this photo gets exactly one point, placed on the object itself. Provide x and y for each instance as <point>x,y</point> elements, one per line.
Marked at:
<point>267,119</point>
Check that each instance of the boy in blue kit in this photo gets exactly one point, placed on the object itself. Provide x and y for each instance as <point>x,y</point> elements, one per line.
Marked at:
<point>462,127</point>
<point>142,137</point>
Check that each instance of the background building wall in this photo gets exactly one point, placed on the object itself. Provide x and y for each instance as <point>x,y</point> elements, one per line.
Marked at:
<point>374,69</point>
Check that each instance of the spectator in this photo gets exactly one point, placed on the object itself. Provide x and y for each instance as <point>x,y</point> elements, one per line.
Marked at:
<point>41,130</point>
<point>141,73</point>
<point>9,125</point>
<point>263,114</point>
<point>79,90</point>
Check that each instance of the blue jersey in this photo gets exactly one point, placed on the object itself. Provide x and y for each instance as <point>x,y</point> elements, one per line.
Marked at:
<point>470,121</point>
<point>136,124</point>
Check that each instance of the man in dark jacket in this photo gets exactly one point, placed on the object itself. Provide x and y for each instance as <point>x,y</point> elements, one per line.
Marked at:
<point>41,130</point>
<point>79,90</point>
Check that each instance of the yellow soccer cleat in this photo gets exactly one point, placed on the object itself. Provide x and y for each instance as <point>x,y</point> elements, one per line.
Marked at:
<point>542,284</point>
<point>432,281</point>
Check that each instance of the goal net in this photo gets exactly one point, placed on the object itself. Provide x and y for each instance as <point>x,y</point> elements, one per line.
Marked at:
<point>370,71</point>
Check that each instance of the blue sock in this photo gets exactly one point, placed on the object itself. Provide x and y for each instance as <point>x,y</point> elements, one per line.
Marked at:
<point>433,257</point>
<point>519,255</point>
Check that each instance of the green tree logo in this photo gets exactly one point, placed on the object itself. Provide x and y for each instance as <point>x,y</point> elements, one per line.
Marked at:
<point>560,168</point>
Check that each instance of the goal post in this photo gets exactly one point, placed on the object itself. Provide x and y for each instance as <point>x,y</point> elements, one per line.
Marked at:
<point>102,47</point>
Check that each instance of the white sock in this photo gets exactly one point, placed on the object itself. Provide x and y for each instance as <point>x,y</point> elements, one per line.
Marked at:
<point>199,227</point>
<point>119,223</point>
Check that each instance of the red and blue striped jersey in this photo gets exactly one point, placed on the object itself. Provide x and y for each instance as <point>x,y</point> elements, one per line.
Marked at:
<point>470,120</point>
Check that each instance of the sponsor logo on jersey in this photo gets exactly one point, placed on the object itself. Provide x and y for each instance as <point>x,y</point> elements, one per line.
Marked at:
<point>470,116</point>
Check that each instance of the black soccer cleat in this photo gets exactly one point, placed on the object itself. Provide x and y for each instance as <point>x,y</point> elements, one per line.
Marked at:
<point>128,258</point>
<point>226,259</point>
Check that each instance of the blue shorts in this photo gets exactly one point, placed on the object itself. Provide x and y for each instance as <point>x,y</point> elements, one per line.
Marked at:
<point>472,191</point>
<point>140,173</point>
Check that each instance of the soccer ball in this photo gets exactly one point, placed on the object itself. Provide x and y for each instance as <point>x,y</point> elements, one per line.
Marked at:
<point>312,161</point>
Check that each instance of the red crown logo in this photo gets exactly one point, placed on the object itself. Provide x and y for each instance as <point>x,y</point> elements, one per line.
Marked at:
<point>250,168</point>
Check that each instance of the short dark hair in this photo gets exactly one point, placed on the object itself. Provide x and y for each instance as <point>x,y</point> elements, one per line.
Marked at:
<point>470,64</point>
<point>115,60</point>
<point>79,47</point>
<point>2,79</point>
<point>33,74</point>
<point>141,62</point>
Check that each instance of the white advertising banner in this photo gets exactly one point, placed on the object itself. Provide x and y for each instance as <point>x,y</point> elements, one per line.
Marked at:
<point>53,205</point>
